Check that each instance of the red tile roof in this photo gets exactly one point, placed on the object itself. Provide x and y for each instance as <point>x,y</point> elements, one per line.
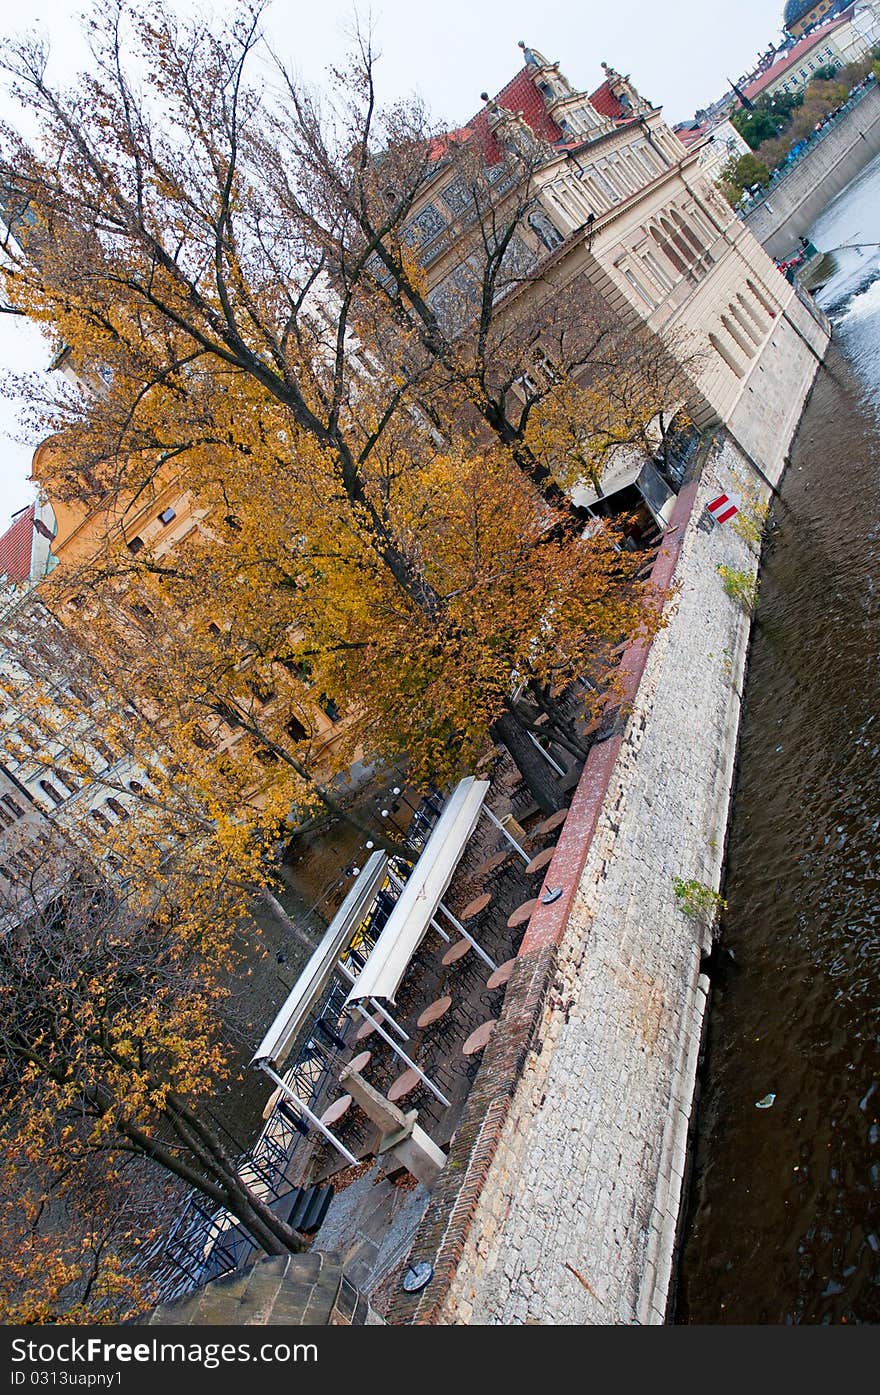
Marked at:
<point>790,59</point>
<point>690,135</point>
<point>605,102</point>
<point>16,547</point>
<point>520,94</point>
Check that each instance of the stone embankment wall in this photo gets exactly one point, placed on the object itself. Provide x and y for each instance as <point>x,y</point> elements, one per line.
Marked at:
<point>561,1198</point>
<point>766,415</point>
<point>793,204</point>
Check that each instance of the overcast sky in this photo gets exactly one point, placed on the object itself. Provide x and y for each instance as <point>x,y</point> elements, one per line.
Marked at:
<point>678,54</point>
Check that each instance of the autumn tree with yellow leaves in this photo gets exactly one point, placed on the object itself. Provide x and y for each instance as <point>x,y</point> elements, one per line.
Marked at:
<point>112,1050</point>
<point>235,276</point>
<point>379,514</point>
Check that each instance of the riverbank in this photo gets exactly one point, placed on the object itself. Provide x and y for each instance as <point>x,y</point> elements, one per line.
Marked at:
<point>562,1197</point>
<point>782,1224</point>
<point>789,207</point>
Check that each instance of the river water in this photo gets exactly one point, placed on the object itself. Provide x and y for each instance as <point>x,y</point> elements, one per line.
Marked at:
<point>784,1218</point>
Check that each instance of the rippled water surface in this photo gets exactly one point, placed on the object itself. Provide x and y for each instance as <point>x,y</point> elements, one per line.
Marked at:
<point>784,1225</point>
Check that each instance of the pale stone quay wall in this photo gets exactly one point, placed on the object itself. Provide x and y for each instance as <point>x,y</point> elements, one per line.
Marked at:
<point>561,1198</point>
<point>795,202</point>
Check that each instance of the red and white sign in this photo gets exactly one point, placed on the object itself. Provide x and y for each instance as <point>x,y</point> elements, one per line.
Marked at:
<point>723,508</point>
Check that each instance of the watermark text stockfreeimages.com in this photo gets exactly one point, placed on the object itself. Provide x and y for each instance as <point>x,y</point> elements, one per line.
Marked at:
<point>71,1351</point>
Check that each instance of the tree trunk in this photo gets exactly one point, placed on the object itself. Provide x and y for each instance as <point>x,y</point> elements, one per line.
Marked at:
<point>273,907</point>
<point>537,774</point>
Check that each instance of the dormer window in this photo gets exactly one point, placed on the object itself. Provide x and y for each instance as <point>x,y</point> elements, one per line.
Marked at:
<point>546,91</point>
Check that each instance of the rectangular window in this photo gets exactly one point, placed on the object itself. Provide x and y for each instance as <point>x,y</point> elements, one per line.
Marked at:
<point>14,808</point>
<point>295,729</point>
<point>660,276</point>
<point>135,545</point>
<point>80,694</point>
<point>166,516</point>
<point>103,749</point>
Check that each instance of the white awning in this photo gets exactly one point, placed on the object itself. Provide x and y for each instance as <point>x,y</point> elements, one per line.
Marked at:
<point>417,904</point>
<point>622,471</point>
<point>629,470</point>
<point>310,984</point>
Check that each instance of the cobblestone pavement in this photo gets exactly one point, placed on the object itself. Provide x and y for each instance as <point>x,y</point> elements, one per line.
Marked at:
<point>577,1219</point>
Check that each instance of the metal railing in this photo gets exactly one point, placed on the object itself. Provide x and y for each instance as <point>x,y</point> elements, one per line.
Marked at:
<point>202,1242</point>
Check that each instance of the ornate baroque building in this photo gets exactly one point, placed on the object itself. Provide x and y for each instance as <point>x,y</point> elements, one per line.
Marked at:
<point>620,200</point>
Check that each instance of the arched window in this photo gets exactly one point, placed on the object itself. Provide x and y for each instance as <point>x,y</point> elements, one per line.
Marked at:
<point>52,791</point>
<point>736,334</point>
<point>762,298</point>
<point>117,807</point>
<point>674,235</point>
<point>752,314</point>
<point>669,251</point>
<point>744,322</point>
<point>702,223</point>
<point>688,233</point>
<point>100,818</point>
<point>103,749</point>
<point>728,357</point>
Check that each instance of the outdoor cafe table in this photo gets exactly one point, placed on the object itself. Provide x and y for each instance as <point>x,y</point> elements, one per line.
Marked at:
<point>368,1025</point>
<point>458,951</point>
<point>493,863</point>
<point>501,974</point>
<point>361,1062</point>
<point>521,914</point>
<point>336,1110</point>
<point>540,860</point>
<point>403,1085</point>
<point>434,1011</point>
<point>554,821</point>
<point>479,1038</point>
<point>476,906</point>
<point>271,1101</point>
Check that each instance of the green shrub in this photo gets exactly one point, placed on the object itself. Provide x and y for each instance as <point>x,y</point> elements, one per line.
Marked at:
<point>699,900</point>
<point>740,586</point>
